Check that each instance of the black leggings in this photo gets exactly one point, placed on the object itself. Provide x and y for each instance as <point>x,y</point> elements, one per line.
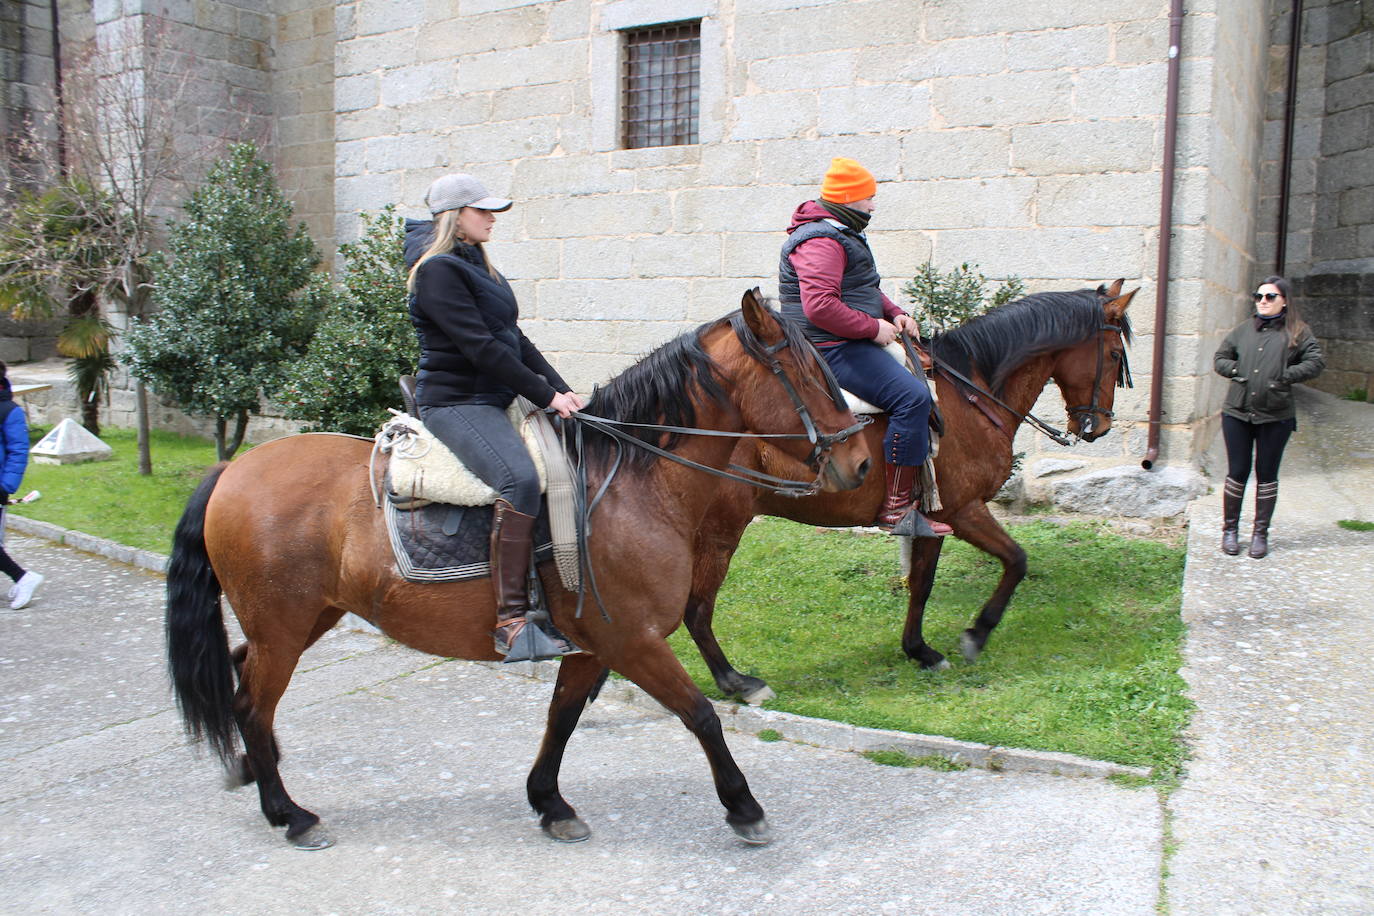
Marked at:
<point>1265,441</point>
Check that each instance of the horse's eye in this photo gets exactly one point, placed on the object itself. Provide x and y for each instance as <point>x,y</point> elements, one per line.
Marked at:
<point>1116,355</point>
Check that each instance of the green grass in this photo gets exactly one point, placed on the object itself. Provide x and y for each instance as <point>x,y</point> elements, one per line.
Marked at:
<point>111,499</point>
<point>1086,660</point>
<point>1351,524</point>
<point>1356,394</point>
<point>903,759</point>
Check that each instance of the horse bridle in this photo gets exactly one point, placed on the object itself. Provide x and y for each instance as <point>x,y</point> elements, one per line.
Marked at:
<point>1123,377</point>
<point>821,443</point>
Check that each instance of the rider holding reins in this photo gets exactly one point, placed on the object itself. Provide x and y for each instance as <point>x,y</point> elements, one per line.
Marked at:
<point>828,281</point>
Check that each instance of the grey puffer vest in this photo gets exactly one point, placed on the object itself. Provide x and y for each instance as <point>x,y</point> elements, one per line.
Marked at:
<point>859,286</point>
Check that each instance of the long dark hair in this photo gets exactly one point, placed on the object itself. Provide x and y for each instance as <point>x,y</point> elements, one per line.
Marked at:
<point>1292,318</point>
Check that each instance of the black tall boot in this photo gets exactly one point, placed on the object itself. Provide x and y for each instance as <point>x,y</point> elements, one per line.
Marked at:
<point>1266,495</point>
<point>1232,497</point>
<point>521,634</point>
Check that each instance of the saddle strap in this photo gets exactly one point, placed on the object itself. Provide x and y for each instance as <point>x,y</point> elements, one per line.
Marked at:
<point>560,491</point>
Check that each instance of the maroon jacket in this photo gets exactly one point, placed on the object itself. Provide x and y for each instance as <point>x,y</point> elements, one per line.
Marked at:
<point>819,264</point>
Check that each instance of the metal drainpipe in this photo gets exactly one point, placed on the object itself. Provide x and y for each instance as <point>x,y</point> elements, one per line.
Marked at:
<point>1166,229</point>
<point>1289,114</point>
<point>61,114</point>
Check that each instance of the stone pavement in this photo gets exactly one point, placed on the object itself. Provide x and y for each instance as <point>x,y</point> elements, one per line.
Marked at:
<point>417,765</point>
<point>1276,813</point>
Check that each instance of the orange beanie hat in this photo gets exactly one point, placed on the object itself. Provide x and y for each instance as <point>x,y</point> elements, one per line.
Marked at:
<point>847,181</point>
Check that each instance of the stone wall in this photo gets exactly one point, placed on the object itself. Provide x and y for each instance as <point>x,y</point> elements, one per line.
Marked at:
<point>302,148</point>
<point>1340,308</point>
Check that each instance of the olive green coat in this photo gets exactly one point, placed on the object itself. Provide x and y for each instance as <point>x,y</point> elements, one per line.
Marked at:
<point>1263,368</point>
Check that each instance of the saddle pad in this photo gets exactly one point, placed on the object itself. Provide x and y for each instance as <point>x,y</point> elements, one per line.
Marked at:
<point>425,553</point>
<point>422,467</point>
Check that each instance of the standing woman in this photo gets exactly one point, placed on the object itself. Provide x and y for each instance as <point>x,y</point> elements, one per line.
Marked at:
<point>474,360</point>
<point>1263,357</point>
<point>14,460</point>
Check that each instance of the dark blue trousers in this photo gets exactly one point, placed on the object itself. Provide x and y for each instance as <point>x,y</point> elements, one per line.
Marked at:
<point>863,368</point>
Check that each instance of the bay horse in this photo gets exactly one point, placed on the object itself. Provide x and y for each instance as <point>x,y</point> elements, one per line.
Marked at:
<point>1076,338</point>
<point>290,535</point>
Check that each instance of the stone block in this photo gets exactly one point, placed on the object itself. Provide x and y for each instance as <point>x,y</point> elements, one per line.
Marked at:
<point>406,151</point>
<point>747,253</point>
<point>568,19</point>
<point>531,101</point>
<point>376,16</point>
<point>505,141</point>
<point>983,17</point>
<point>1350,56</point>
<point>773,115</point>
<point>921,61</point>
<point>1116,199</point>
<point>561,176</point>
<point>697,255</point>
<point>1140,41</point>
<point>418,83</point>
<point>597,258</point>
<point>612,300</point>
<point>14,349</point>
<point>873,109</point>
<point>961,204</point>
<point>838,26</point>
<point>899,254</point>
<point>352,93</point>
<point>1089,146</point>
<point>457,110</point>
<point>1347,130</point>
<point>533,260</point>
<point>1350,93</point>
<point>1107,92</point>
<point>1048,467</point>
<point>805,71</point>
<point>473,34</point>
<point>1357,206</point>
<point>477,7</point>
<point>802,162</point>
<point>762,209</point>
<point>1050,253</point>
<point>956,153</point>
<point>370,53</point>
<point>366,192</point>
<point>560,62</point>
<point>1055,49</point>
<point>996,100</point>
<point>730,164</point>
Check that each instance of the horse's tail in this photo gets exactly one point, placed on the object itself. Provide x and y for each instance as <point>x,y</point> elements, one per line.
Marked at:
<point>197,645</point>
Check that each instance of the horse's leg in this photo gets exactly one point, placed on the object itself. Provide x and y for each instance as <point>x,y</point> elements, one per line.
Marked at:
<point>266,672</point>
<point>716,542</point>
<point>240,773</point>
<point>975,524</point>
<point>652,665</point>
<point>925,557</point>
<point>578,676</point>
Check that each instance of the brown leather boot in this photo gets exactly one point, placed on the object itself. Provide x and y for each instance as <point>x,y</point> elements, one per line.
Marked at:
<point>1232,496</point>
<point>1266,496</point>
<point>898,503</point>
<point>512,535</point>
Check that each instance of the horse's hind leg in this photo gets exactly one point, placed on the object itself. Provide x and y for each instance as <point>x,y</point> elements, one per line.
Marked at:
<point>266,672</point>
<point>578,677</point>
<point>653,667</point>
<point>975,524</point>
<point>240,772</point>
<point>925,556</point>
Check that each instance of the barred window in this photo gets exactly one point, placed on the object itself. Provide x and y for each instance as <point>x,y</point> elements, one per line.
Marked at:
<point>662,80</point>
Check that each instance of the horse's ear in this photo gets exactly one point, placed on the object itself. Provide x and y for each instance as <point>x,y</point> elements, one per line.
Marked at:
<point>759,317</point>
<point>1114,290</point>
<point>1118,305</point>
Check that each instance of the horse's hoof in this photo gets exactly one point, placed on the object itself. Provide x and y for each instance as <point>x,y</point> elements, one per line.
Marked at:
<point>941,665</point>
<point>571,830</point>
<point>312,839</point>
<point>759,696</point>
<point>755,834</point>
<point>969,646</point>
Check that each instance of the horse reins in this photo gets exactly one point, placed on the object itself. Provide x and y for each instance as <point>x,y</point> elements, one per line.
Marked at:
<point>1123,377</point>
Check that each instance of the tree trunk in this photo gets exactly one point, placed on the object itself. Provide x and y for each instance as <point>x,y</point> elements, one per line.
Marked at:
<point>145,452</point>
<point>90,412</point>
<point>219,439</point>
<point>240,426</point>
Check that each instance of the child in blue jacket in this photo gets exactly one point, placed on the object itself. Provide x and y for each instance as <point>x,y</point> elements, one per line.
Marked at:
<point>14,458</point>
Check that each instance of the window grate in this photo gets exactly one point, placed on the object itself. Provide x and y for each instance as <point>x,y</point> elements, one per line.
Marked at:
<point>662,80</point>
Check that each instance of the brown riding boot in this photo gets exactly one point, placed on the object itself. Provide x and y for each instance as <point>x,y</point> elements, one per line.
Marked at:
<point>1266,495</point>
<point>897,504</point>
<point>512,536</point>
<point>1232,496</point>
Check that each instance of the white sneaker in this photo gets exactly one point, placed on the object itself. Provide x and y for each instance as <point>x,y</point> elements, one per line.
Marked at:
<point>23,589</point>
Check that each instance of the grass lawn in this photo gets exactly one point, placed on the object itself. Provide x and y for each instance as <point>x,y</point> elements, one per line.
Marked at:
<point>1085,660</point>
<point>111,499</point>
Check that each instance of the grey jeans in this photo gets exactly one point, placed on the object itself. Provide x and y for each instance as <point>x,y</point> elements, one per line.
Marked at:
<point>485,441</point>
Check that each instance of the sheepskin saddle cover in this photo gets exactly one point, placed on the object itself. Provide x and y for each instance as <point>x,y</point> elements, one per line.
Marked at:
<point>422,468</point>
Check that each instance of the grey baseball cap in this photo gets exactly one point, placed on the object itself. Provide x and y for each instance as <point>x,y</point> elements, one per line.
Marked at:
<point>453,191</point>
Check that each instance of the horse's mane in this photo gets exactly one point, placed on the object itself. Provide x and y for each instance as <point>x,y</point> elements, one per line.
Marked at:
<point>663,387</point>
<point>998,343</point>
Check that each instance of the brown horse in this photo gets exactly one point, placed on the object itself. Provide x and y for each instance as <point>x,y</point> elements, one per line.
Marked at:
<point>290,535</point>
<point>1075,338</point>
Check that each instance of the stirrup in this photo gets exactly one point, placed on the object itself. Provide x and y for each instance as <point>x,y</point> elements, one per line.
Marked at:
<point>914,525</point>
<point>531,639</point>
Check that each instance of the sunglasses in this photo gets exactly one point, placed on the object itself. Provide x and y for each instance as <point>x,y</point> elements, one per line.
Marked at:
<point>1267,297</point>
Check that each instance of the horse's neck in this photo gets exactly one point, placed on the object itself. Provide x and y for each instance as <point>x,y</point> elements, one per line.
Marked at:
<point>1024,384</point>
<point>682,493</point>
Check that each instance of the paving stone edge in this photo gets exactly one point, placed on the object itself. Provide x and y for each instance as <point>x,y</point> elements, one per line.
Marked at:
<point>747,719</point>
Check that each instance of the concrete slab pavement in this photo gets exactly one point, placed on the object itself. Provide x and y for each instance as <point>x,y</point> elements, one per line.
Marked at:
<point>417,766</point>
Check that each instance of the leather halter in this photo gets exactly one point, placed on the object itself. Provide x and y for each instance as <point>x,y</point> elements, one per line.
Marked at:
<point>821,443</point>
<point>1123,378</point>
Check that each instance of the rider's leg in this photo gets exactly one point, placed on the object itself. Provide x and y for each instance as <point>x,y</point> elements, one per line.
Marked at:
<point>488,445</point>
<point>863,368</point>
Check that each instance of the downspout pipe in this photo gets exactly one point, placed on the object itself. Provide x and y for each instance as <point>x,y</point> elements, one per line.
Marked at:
<point>1289,109</point>
<point>61,114</point>
<point>1166,231</point>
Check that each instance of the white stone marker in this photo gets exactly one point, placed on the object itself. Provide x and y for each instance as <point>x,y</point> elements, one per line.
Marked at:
<point>70,443</point>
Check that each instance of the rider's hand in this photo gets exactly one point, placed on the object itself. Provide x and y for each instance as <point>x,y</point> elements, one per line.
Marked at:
<point>905,324</point>
<point>565,402</point>
<point>886,333</point>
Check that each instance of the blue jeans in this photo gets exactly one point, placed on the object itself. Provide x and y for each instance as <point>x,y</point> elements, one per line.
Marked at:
<point>863,368</point>
<point>488,445</point>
